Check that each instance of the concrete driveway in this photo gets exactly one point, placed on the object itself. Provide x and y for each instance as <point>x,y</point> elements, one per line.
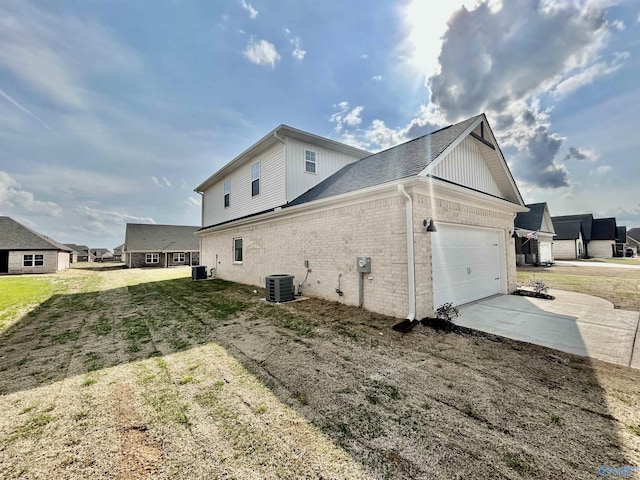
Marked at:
<point>573,323</point>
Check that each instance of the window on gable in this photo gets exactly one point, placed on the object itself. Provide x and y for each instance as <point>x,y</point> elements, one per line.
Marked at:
<point>237,250</point>
<point>178,258</point>
<point>309,161</point>
<point>38,260</point>
<point>227,192</point>
<point>152,258</point>
<point>27,260</point>
<point>255,179</point>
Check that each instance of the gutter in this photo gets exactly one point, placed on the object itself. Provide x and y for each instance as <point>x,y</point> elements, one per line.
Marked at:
<point>411,268</point>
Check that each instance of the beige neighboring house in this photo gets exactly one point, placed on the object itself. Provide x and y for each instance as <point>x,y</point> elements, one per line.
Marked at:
<point>633,240</point>
<point>533,236</point>
<point>23,250</point>
<point>151,245</point>
<point>431,219</point>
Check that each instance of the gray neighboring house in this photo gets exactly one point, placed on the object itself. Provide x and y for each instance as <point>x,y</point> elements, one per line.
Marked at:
<point>81,250</point>
<point>23,250</point>
<point>117,253</point>
<point>101,254</point>
<point>534,234</point>
<point>633,239</point>
<point>149,245</point>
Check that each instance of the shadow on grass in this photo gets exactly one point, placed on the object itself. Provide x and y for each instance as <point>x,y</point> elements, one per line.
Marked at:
<point>422,405</point>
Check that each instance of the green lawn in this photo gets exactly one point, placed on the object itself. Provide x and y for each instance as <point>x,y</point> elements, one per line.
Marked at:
<point>22,293</point>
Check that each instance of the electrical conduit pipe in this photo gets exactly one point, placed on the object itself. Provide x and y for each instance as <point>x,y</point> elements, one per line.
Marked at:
<point>411,268</point>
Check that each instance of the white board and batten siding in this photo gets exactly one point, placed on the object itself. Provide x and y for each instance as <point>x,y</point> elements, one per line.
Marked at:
<point>467,264</point>
<point>241,202</point>
<point>466,166</point>
<point>328,162</point>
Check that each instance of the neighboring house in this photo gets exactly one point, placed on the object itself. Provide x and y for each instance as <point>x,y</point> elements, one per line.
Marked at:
<point>82,251</point>
<point>23,250</point>
<point>621,241</point>
<point>101,254</point>
<point>384,206</point>
<point>534,234</point>
<point>633,239</point>
<point>569,241</point>
<point>599,238</point>
<point>117,253</point>
<point>149,245</point>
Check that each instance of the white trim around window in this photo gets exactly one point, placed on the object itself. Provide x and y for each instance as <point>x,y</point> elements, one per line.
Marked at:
<point>33,260</point>
<point>255,179</point>
<point>178,257</point>
<point>237,250</point>
<point>152,258</point>
<point>310,162</point>
<point>227,193</point>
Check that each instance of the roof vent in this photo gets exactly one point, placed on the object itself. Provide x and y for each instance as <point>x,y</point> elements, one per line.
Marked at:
<point>279,288</point>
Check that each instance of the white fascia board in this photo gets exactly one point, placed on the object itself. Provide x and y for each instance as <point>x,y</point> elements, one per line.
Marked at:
<point>426,186</point>
<point>435,187</point>
<point>482,118</point>
<point>273,137</point>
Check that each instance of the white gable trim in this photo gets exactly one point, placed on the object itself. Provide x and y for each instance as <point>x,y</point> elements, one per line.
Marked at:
<point>482,118</point>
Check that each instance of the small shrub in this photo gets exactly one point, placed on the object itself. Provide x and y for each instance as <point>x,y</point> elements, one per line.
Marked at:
<point>447,312</point>
<point>557,420</point>
<point>634,428</point>
<point>538,285</point>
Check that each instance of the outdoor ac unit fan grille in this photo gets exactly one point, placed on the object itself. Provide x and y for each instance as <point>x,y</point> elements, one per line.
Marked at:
<point>279,288</point>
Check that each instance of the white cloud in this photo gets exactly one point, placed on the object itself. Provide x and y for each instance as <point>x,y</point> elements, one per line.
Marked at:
<point>162,182</point>
<point>14,199</point>
<point>376,78</point>
<point>588,75</point>
<point>582,154</point>
<point>262,53</point>
<point>364,56</point>
<point>107,217</point>
<point>192,202</point>
<point>346,116</point>
<point>253,13</point>
<point>297,52</point>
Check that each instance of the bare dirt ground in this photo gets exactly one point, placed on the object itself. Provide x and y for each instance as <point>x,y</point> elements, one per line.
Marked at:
<point>146,374</point>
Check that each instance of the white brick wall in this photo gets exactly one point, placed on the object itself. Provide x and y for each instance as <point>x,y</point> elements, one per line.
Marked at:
<point>332,239</point>
<point>601,248</point>
<point>566,249</point>
<point>16,261</point>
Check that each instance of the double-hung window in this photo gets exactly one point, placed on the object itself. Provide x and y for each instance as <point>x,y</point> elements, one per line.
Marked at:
<point>255,179</point>
<point>178,258</point>
<point>310,161</point>
<point>237,250</point>
<point>227,193</point>
<point>152,258</point>
<point>31,260</point>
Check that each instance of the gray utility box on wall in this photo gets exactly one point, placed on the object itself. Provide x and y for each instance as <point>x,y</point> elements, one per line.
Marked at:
<point>279,288</point>
<point>364,264</point>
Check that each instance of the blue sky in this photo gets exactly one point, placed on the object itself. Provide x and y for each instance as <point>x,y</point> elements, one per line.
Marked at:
<point>113,111</point>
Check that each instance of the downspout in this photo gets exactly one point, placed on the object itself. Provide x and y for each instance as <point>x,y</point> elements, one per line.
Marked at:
<point>411,269</point>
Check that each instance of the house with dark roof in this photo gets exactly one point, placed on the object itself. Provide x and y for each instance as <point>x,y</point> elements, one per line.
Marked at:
<point>23,250</point>
<point>151,245</point>
<point>117,253</point>
<point>82,252</point>
<point>533,235</point>
<point>633,239</point>
<point>101,254</point>
<point>597,239</point>
<point>399,232</point>
<point>621,241</point>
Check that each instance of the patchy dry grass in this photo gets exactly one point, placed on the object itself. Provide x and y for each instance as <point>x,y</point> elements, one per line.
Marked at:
<point>145,374</point>
<point>618,285</point>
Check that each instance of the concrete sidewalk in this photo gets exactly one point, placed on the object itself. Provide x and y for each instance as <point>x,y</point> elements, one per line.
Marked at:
<point>573,323</point>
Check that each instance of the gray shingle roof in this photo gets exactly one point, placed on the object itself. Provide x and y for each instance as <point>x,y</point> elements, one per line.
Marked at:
<point>159,238</point>
<point>15,236</point>
<point>604,229</point>
<point>398,162</point>
<point>531,220</point>
<point>568,230</point>
<point>585,218</point>
<point>634,233</point>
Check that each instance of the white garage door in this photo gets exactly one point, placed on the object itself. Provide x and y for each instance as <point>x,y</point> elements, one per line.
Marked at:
<point>545,252</point>
<point>466,264</point>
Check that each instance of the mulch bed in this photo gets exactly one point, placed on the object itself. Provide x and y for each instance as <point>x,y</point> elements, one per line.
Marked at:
<point>529,293</point>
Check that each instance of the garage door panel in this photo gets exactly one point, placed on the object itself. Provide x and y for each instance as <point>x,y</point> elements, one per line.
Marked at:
<point>465,263</point>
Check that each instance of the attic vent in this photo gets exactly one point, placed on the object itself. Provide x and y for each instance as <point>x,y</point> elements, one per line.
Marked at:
<point>279,288</point>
